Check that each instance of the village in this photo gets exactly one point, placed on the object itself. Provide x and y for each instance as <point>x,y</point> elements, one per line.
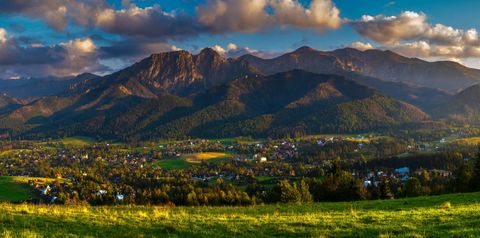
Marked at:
<point>369,159</point>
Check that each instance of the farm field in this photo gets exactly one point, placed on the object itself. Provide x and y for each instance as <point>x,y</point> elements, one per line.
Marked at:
<point>187,160</point>
<point>439,216</point>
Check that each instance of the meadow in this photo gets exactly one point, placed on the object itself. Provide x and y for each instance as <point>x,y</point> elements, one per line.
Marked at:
<point>12,190</point>
<point>455,215</point>
<point>187,160</point>
<point>17,189</point>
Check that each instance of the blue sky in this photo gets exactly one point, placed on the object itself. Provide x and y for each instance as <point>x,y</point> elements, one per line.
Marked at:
<point>130,30</point>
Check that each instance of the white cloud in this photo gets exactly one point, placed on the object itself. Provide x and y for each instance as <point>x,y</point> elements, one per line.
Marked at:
<point>361,46</point>
<point>392,29</point>
<point>3,35</point>
<point>232,46</point>
<point>219,49</point>
<point>410,34</point>
<point>322,14</point>
<point>232,50</point>
<point>80,46</point>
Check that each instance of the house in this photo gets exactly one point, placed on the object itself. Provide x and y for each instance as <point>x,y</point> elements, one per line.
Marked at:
<point>120,197</point>
<point>367,183</point>
<point>263,159</point>
<point>102,192</point>
<point>46,190</point>
<point>404,170</point>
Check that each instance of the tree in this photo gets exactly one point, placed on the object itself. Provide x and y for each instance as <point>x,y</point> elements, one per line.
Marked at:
<point>412,187</point>
<point>384,187</point>
<point>463,178</point>
<point>304,191</point>
<point>288,193</point>
<point>475,181</point>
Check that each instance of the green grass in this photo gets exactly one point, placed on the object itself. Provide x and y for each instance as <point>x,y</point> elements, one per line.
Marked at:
<point>77,141</point>
<point>417,217</point>
<point>264,178</point>
<point>173,164</point>
<point>12,190</point>
<point>16,188</point>
<point>187,160</point>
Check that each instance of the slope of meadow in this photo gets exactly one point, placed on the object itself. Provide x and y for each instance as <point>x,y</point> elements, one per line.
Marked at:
<point>454,215</point>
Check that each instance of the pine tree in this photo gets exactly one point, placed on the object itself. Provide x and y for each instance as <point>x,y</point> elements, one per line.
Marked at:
<point>475,181</point>
<point>385,192</point>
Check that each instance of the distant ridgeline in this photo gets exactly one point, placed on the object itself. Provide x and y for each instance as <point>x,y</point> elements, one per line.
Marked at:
<point>178,95</point>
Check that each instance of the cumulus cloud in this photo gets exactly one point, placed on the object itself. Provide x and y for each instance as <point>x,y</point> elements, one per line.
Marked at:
<point>213,16</point>
<point>149,21</point>
<point>410,34</point>
<point>64,59</point>
<point>255,15</point>
<point>424,49</point>
<point>3,35</point>
<point>322,14</point>
<point>361,45</point>
<point>56,13</point>
<point>392,29</point>
<point>232,51</point>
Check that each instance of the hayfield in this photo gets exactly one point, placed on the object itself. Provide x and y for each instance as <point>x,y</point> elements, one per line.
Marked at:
<point>454,215</point>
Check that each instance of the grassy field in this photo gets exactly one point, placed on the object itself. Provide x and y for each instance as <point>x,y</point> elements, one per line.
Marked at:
<point>77,141</point>
<point>441,216</point>
<point>16,189</point>
<point>13,190</point>
<point>468,141</point>
<point>188,160</point>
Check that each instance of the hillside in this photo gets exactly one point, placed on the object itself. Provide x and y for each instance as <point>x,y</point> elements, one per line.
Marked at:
<point>286,103</point>
<point>463,107</point>
<point>8,103</point>
<point>290,103</point>
<point>384,65</point>
<point>40,87</point>
<point>179,94</point>
<point>439,216</point>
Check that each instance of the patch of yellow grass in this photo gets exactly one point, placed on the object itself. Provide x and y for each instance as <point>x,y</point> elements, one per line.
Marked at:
<point>469,141</point>
<point>199,157</point>
<point>25,180</point>
<point>446,205</point>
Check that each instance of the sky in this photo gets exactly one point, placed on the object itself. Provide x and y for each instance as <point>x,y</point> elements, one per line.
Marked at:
<point>61,38</point>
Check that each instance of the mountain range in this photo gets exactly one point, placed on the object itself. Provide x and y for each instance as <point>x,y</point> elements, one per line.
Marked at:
<point>178,94</point>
